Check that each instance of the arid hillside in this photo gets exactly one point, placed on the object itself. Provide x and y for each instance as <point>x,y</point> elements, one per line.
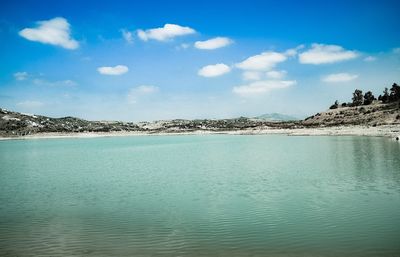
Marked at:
<point>374,114</point>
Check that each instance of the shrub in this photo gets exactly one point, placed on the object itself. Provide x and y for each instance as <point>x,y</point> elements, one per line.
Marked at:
<point>335,105</point>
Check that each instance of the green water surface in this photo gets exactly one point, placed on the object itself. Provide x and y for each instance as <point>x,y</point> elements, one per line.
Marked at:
<point>214,195</point>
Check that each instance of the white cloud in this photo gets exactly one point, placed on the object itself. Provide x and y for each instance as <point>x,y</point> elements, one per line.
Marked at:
<point>169,31</point>
<point>146,89</point>
<point>116,70</point>
<point>54,32</point>
<point>339,77</point>
<point>257,75</point>
<point>251,75</point>
<point>22,75</point>
<point>30,104</point>
<point>185,46</point>
<point>293,51</point>
<point>262,87</point>
<point>127,35</point>
<point>263,61</point>
<point>276,74</point>
<point>214,70</point>
<point>182,46</point>
<point>213,43</point>
<point>68,83</point>
<point>320,54</point>
<point>86,59</point>
<point>59,83</point>
<point>140,91</point>
<point>369,59</point>
<point>396,50</point>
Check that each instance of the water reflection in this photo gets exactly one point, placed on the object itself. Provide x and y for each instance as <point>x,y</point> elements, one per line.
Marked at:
<point>376,161</point>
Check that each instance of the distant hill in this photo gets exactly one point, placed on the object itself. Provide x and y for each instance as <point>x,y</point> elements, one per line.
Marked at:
<point>20,124</point>
<point>364,110</point>
<point>375,114</point>
<point>276,117</point>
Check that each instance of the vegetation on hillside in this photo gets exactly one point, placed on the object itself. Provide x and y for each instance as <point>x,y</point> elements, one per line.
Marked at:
<point>368,98</point>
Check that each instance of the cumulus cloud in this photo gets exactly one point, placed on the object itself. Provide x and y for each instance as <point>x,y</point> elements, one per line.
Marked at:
<point>54,32</point>
<point>213,43</point>
<point>140,91</point>
<point>321,54</point>
<point>169,31</point>
<point>251,75</point>
<point>274,74</point>
<point>214,70</point>
<point>339,77</point>
<point>127,35</point>
<point>30,104</point>
<point>116,70</point>
<point>262,87</point>
<point>263,61</point>
<point>22,75</point>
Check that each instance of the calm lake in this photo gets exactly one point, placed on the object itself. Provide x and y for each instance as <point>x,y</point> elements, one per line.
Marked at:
<point>213,195</point>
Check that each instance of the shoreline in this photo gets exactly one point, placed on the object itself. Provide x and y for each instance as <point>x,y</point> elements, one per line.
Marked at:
<point>389,131</point>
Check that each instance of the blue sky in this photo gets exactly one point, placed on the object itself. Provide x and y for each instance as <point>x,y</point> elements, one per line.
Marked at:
<point>148,60</point>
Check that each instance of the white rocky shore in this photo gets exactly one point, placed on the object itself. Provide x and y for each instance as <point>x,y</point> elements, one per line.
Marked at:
<point>389,131</point>
<point>375,119</point>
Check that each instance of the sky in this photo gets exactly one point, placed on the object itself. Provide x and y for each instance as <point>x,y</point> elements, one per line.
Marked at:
<point>152,60</point>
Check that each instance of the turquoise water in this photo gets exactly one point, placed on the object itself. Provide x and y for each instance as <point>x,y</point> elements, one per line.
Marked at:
<point>214,195</point>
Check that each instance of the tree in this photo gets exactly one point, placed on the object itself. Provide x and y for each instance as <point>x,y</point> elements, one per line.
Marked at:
<point>368,98</point>
<point>394,93</point>
<point>358,98</point>
<point>385,97</point>
<point>335,105</point>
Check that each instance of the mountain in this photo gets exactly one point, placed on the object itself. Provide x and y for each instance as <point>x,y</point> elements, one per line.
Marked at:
<point>276,117</point>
